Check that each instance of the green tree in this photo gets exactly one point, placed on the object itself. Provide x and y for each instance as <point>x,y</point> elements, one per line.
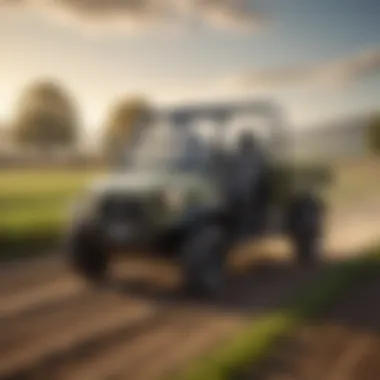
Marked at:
<point>124,117</point>
<point>374,134</point>
<point>46,117</point>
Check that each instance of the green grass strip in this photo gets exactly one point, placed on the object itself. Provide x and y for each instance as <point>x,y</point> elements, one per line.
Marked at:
<point>255,341</point>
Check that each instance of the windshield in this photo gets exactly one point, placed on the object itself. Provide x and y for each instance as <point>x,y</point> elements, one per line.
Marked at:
<point>165,146</point>
<point>192,146</point>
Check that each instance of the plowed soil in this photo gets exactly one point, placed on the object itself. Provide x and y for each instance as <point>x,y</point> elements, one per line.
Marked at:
<point>140,327</point>
<point>341,344</point>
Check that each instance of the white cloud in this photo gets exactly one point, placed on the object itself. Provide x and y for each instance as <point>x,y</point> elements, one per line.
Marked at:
<point>232,14</point>
<point>336,72</point>
<point>132,15</point>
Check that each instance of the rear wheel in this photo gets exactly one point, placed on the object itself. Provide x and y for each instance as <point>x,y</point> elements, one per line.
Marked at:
<point>203,258</point>
<point>305,228</point>
<point>307,250</point>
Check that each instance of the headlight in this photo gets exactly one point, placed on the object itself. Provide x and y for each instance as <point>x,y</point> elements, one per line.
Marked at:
<point>84,207</point>
<point>174,198</point>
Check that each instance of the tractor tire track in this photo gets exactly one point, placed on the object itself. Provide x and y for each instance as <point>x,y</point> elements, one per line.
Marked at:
<point>71,334</point>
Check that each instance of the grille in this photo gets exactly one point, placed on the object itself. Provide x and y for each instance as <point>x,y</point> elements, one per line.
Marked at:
<point>122,208</point>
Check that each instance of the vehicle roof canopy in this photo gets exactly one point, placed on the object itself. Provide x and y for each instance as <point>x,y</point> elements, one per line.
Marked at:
<point>220,111</point>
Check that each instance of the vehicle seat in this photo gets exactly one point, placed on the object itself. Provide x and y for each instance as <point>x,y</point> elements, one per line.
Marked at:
<point>250,178</point>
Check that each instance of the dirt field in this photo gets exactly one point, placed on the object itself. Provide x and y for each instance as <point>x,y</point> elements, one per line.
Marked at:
<point>141,327</point>
<point>341,344</point>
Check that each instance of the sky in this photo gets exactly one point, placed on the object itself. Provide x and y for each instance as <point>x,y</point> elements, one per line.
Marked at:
<point>320,59</point>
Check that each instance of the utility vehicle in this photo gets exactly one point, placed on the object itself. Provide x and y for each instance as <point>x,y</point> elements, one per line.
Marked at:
<point>191,192</point>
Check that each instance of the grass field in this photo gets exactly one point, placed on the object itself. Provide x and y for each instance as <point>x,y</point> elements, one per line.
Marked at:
<point>34,204</point>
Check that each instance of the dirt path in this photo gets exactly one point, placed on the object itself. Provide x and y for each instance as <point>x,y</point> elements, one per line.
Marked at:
<point>54,327</point>
<point>342,344</point>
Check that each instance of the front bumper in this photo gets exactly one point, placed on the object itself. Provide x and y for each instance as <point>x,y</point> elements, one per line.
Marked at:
<point>123,234</point>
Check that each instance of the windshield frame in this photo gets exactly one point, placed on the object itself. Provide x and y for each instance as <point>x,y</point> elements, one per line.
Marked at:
<point>180,127</point>
<point>173,150</point>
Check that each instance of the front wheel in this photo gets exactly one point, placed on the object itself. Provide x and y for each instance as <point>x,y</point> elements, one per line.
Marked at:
<point>203,258</point>
<point>87,253</point>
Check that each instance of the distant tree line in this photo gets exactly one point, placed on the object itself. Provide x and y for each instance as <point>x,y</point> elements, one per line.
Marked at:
<point>47,118</point>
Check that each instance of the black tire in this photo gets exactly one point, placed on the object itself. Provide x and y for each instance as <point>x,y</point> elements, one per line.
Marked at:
<point>307,250</point>
<point>306,218</point>
<point>87,254</point>
<point>203,261</point>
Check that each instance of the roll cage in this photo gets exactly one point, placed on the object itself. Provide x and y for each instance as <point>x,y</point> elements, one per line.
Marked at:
<point>222,113</point>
